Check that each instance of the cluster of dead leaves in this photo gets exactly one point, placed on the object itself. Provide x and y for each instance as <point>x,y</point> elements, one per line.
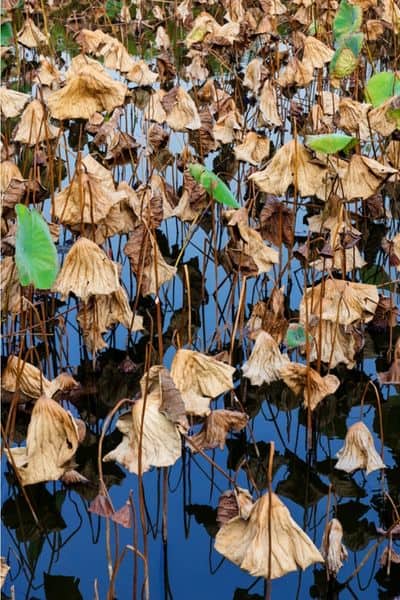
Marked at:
<point>249,118</point>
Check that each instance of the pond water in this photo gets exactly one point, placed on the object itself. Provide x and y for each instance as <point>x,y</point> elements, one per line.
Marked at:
<point>67,552</point>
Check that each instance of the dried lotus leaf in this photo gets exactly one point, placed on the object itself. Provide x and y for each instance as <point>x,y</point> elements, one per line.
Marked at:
<point>254,75</point>
<point>146,260</point>
<point>305,381</point>
<point>226,129</point>
<point>269,105</point>
<point>87,271</point>
<point>172,405</point>
<point>233,503</point>
<point>265,361</point>
<point>89,89</point>
<point>181,111</point>
<point>23,376</point>
<point>154,110</point>
<point>12,298</point>
<point>140,74</point>
<point>30,35</point>
<point>364,177</point>
<point>316,53</point>
<point>332,548</point>
<point>339,301</point>
<point>332,344</point>
<point>251,242</point>
<point>51,443</point>
<point>292,164</point>
<point>254,148</point>
<point>33,126</point>
<point>216,428</point>
<point>246,542</point>
<point>90,195</point>
<point>12,102</point>
<point>160,439</point>
<point>359,451</point>
<point>102,312</point>
<point>199,378</point>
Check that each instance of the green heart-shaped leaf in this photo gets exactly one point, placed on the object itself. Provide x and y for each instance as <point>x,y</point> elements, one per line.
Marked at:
<point>35,251</point>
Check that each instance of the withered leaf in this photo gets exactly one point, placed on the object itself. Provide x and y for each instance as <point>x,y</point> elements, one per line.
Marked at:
<point>216,428</point>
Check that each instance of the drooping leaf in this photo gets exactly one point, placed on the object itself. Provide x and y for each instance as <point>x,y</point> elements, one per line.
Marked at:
<point>35,252</point>
<point>213,185</point>
<point>348,19</point>
<point>381,87</point>
<point>6,34</point>
<point>330,143</point>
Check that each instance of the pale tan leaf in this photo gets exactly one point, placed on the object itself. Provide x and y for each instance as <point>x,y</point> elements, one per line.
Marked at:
<point>87,271</point>
<point>246,542</point>
<point>265,361</point>
<point>34,126</point>
<point>51,443</point>
<point>359,451</point>
<point>12,102</point>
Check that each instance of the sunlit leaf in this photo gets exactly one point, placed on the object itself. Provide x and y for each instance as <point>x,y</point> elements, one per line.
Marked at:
<point>35,252</point>
<point>348,19</point>
<point>330,143</point>
<point>213,184</point>
<point>381,87</point>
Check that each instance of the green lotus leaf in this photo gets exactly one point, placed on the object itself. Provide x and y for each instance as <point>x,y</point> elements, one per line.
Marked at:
<point>381,87</point>
<point>330,143</point>
<point>213,185</point>
<point>345,59</point>
<point>6,34</point>
<point>348,20</point>
<point>296,336</point>
<point>35,251</point>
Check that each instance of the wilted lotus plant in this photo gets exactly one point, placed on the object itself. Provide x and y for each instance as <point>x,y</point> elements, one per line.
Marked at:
<point>332,548</point>
<point>147,432</point>
<point>265,361</point>
<point>51,443</point>
<point>305,381</point>
<point>359,451</point>
<point>199,378</point>
<point>246,542</point>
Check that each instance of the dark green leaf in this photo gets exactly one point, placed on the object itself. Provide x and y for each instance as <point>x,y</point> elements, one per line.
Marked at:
<point>35,252</point>
<point>6,34</point>
<point>113,8</point>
